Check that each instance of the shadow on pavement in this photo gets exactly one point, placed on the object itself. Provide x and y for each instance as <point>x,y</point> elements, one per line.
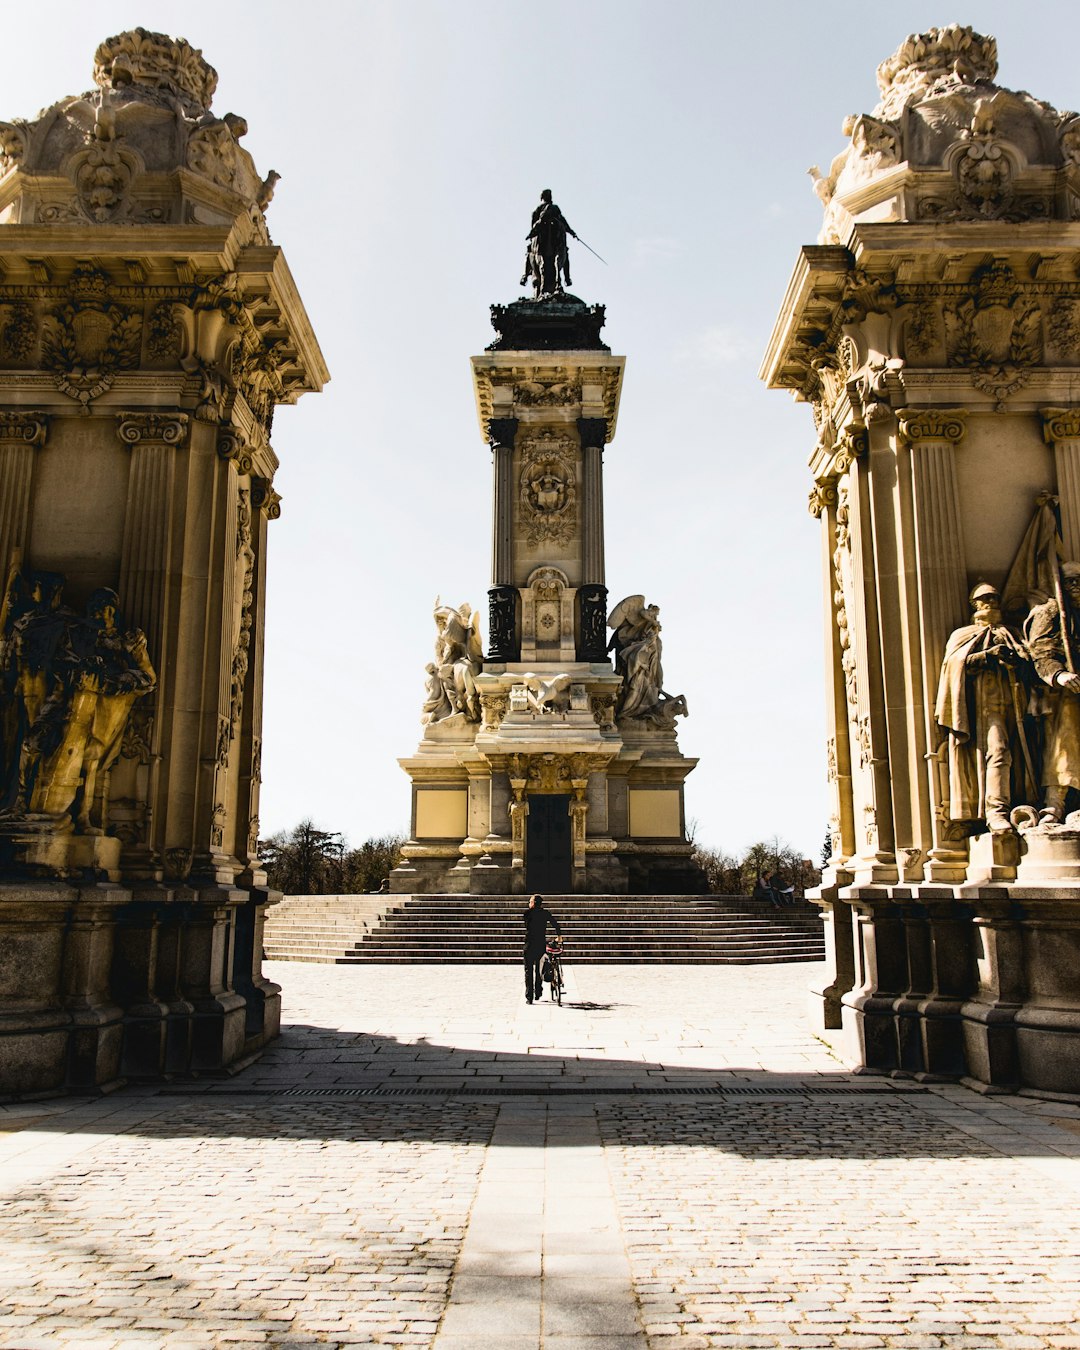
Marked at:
<point>319,1084</point>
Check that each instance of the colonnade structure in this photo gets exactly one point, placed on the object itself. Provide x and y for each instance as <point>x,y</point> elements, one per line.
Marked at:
<point>934,330</point>
<point>552,763</point>
<point>148,329</point>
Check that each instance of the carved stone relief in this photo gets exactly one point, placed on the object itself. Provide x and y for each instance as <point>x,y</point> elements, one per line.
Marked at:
<point>18,333</point>
<point>996,332</point>
<point>87,339</point>
<point>548,487</point>
<point>844,595</point>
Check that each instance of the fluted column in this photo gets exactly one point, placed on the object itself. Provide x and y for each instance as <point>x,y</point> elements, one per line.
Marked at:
<point>933,435</point>
<point>504,643</point>
<point>21,434</point>
<point>592,594</point>
<point>1061,429</point>
<point>501,433</point>
<point>823,503</point>
<point>152,439</point>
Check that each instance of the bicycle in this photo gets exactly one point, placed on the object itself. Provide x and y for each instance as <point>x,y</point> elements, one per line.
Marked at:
<point>553,972</point>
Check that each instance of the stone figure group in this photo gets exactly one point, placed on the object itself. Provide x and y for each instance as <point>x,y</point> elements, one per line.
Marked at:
<point>67,683</point>
<point>451,687</point>
<point>637,647</point>
<point>1010,704</point>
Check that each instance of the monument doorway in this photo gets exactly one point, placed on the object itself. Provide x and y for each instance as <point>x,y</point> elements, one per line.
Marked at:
<point>548,845</point>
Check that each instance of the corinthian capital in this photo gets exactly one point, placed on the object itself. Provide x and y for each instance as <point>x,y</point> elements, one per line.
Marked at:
<point>920,426</point>
<point>151,428</point>
<point>1060,424</point>
<point>23,428</point>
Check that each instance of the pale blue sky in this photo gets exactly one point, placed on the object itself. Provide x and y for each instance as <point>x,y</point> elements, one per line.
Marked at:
<point>413,139</point>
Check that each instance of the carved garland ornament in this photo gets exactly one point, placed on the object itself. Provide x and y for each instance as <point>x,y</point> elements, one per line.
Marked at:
<point>548,489</point>
<point>86,340</point>
<point>17,332</point>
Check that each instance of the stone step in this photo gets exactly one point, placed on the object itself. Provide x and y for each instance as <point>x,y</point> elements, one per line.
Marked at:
<point>487,930</point>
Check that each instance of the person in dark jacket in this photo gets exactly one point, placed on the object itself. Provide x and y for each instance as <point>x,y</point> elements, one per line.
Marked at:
<point>537,921</point>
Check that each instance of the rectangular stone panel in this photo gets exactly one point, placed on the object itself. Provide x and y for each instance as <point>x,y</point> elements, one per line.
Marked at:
<point>442,813</point>
<point>655,813</point>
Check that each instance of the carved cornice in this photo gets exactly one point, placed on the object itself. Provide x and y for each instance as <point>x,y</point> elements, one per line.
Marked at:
<point>23,428</point>
<point>923,426</point>
<point>501,431</point>
<point>822,496</point>
<point>231,446</point>
<point>265,498</point>
<point>1060,424</point>
<point>141,428</point>
<point>593,432</point>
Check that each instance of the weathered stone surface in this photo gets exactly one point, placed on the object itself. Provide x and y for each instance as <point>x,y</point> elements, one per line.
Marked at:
<point>148,329</point>
<point>933,332</point>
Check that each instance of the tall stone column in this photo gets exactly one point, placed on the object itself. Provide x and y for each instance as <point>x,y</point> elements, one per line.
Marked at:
<point>1061,429</point>
<point>145,570</point>
<point>592,597</point>
<point>840,975</point>
<point>22,434</point>
<point>933,435</point>
<point>504,642</point>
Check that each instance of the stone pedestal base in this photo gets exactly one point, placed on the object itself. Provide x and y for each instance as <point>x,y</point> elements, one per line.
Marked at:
<point>980,982</point>
<point>37,848</point>
<point>98,983</point>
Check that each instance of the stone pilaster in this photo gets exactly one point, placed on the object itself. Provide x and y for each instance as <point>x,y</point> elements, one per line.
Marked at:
<point>1061,429</point>
<point>152,439</point>
<point>593,432</point>
<point>501,434</point>
<point>247,766</point>
<point>933,435</point>
<point>21,435</point>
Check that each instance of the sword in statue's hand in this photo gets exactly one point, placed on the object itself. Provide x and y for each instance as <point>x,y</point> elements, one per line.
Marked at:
<point>585,245</point>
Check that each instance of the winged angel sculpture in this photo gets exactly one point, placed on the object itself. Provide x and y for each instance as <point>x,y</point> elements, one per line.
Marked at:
<point>451,677</point>
<point>638,649</point>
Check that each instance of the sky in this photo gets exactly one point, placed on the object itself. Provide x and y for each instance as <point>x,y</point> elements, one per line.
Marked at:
<point>413,138</point>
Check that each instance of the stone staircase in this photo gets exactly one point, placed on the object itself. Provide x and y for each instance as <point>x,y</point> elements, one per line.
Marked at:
<point>609,929</point>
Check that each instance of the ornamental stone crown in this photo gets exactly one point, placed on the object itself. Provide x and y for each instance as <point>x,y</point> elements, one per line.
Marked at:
<point>142,149</point>
<point>158,62</point>
<point>946,143</point>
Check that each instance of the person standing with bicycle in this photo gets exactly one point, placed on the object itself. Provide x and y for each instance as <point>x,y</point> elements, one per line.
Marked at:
<point>537,921</point>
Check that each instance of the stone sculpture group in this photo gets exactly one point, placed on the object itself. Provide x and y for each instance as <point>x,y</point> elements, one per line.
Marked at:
<point>450,687</point>
<point>69,683</point>
<point>1009,693</point>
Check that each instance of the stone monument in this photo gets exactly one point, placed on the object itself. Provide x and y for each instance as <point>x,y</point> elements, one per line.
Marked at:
<point>148,329</point>
<point>543,766</point>
<point>935,332</point>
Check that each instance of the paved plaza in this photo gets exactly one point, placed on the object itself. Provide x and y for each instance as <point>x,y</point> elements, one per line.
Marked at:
<point>669,1160</point>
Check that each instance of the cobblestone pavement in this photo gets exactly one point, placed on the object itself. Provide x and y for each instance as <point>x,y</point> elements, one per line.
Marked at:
<point>669,1160</point>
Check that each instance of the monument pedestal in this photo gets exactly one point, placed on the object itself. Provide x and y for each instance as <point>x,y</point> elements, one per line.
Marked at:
<point>543,768</point>
<point>98,985</point>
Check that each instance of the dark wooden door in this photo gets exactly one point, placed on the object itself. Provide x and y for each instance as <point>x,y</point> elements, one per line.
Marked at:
<point>548,846</point>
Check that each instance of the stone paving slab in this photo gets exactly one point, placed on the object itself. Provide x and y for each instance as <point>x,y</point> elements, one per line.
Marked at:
<point>227,1214</point>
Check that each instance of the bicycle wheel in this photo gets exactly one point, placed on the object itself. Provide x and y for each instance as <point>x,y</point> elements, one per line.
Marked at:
<point>556,983</point>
